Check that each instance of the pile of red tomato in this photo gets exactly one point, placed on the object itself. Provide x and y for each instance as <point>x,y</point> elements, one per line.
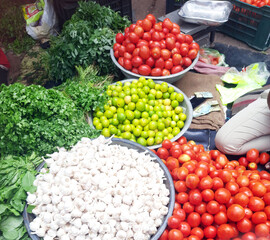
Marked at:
<point>216,198</point>
<point>156,49</point>
<point>257,3</point>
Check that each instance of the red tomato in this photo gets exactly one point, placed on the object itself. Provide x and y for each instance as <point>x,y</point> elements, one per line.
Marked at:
<point>116,46</point>
<point>119,38</point>
<point>144,70</point>
<point>175,50</point>
<point>241,199</point>
<point>222,195</point>
<point>167,23</point>
<point>210,232</point>
<point>177,59</point>
<point>264,158</point>
<point>180,213</point>
<point>139,31</point>
<point>207,219</point>
<point>258,189</point>
<point>252,166</point>
<point>264,175</point>
<point>217,183</point>
<point>256,204</point>
<point>144,53</point>
<point>147,36</point>
<point>156,72</point>
<point>121,61</point>
<point>167,144</point>
<point>244,225</point>
<point>192,54</point>
<point>201,208</point>
<point>172,163</point>
<point>173,221</point>
<point>189,39</point>
<point>186,61</point>
<point>141,43</point>
<point>267,211</point>
<point>132,27</point>
<point>185,228</point>
<point>194,45</point>
<point>121,50</point>
<point>175,234</point>
<point>160,63</point>
<point>243,161</point>
<point>150,62</point>
<point>163,153</point>
<point>130,47</point>
<point>164,235</point>
<point>208,195</point>
<point>249,236</point>
<point>156,36</point>
<point>180,186</point>
<point>127,56</point>
<point>225,231</point>
<point>116,54</point>
<point>259,217</point>
<point>212,207</point>
<point>127,64</point>
<point>170,43</point>
<point>206,183</point>
<point>188,207</point>
<point>242,181</point>
<point>135,70</point>
<point>235,212</point>
<point>136,52</point>
<point>182,173</point>
<point>168,64</point>
<point>197,231</point>
<point>182,197</point>
<point>156,52</point>
<point>176,69</point>
<point>152,18</point>
<point>192,181</point>
<point>252,155</point>
<point>194,219</point>
<point>165,72</point>
<point>136,61</point>
<point>184,51</point>
<point>195,197</point>
<point>233,187</point>
<point>146,24</point>
<point>220,218</point>
<point>262,230</point>
<point>165,54</point>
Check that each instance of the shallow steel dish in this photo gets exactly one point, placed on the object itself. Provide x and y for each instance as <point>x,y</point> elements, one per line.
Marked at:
<point>205,12</point>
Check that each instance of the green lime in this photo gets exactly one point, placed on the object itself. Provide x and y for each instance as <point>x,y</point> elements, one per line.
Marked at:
<point>99,126</point>
<point>146,89</point>
<point>106,132</point>
<point>142,141</point>
<point>157,86</point>
<point>137,114</point>
<point>170,136</point>
<point>129,115</point>
<point>122,95</point>
<point>109,92</point>
<point>115,93</point>
<point>180,97</point>
<point>95,121</point>
<point>153,125</point>
<point>108,114</point>
<point>173,124</point>
<point>120,102</point>
<point>175,118</point>
<point>126,135</point>
<point>131,106</point>
<point>121,117</point>
<point>128,128</point>
<point>167,102</point>
<point>127,84</point>
<point>127,99</point>
<point>137,132</point>
<point>136,122</point>
<point>169,129</point>
<point>164,87</point>
<point>151,102</point>
<point>145,114</point>
<point>170,89</point>
<point>182,116</point>
<point>151,84</point>
<point>165,132</point>
<point>140,106</point>
<point>160,126</point>
<point>158,140</point>
<point>151,133</point>
<point>180,124</point>
<point>139,85</point>
<point>166,95</point>
<point>178,109</point>
<point>143,122</point>
<point>159,94</point>
<point>105,123</point>
<point>153,92</point>
<point>115,121</point>
<point>133,90</point>
<point>144,134</point>
<point>113,129</point>
<point>174,103</point>
<point>167,122</point>
<point>99,114</point>
<point>150,141</point>
<point>134,98</point>
<point>175,131</point>
<point>120,110</point>
<point>154,117</point>
<point>159,113</point>
<point>118,88</point>
<point>173,95</point>
<point>151,96</point>
<point>126,122</point>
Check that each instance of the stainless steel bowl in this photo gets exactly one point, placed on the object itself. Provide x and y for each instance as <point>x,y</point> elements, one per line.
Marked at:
<point>168,181</point>
<point>169,79</point>
<point>187,109</point>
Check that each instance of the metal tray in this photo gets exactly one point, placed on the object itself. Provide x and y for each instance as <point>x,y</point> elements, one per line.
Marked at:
<point>205,12</point>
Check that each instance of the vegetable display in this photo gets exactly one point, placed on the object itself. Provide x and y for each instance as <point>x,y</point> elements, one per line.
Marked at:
<point>99,190</point>
<point>16,179</point>
<point>156,49</point>
<point>142,111</point>
<point>85,39</point>
<point>216,198</point>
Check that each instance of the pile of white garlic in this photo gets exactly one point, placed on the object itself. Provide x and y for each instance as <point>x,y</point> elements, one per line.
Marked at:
<point>99,191</point>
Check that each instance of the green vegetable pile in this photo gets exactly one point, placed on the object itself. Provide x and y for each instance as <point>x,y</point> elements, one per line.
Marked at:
<point>16,178</point>
<point>85,39</point>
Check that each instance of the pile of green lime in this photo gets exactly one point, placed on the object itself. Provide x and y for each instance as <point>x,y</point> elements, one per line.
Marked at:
<point>141,111</point>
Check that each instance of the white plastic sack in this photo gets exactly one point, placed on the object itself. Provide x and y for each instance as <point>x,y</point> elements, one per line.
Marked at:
<point>47,25</point>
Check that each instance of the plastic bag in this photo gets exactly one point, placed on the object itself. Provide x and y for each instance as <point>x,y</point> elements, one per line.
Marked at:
<point>47,26</point>
<point>33,12</point>
<point>212,56</point>
<point>250,78</point>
